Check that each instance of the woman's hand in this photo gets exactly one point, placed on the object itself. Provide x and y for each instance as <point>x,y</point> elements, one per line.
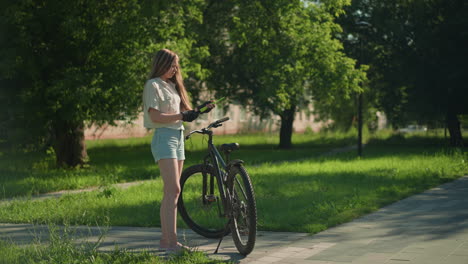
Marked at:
<point>190,115</point>
<point>209,106</point>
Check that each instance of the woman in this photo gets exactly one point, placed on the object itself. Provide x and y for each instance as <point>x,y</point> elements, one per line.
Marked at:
<point>165,106</point>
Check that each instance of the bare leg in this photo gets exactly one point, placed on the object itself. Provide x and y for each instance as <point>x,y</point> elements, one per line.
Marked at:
<point>168,212</point>
<point>181,167</point>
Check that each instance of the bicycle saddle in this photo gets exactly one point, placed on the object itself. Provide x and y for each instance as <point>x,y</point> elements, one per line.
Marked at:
<point>229,147</point>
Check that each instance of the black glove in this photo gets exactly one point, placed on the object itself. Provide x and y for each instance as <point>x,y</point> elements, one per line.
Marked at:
<point>208,108</point>
<point>189,115</point>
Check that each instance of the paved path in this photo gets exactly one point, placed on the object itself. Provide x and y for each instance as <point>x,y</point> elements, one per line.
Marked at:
<point>428,228</point>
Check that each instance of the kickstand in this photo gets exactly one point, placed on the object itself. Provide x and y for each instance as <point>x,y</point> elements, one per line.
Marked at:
<point>222,236</point>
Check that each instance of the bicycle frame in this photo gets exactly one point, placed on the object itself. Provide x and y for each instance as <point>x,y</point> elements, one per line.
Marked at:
<point>238,203</point>
<point>216,159</point>
<point>221,176</point>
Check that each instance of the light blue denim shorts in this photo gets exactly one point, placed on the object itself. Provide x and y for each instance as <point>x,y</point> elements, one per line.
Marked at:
<point>168,143</point>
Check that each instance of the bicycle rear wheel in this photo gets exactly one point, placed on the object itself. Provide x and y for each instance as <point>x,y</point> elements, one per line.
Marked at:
<point>244,210</point>
<point>200,203</point>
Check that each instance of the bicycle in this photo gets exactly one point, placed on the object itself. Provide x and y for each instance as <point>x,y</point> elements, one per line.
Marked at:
<point>217,197</point>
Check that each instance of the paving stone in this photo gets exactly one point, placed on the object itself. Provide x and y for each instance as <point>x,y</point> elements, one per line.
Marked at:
<point>344,252</point>
<point>386,246</point>
<point>257,262</point>
<point>293,249</point>
<point>464,245</point>
<point>309,253</point>
<point>282,255</point>
<point>462,250</point>
<point>372,258</point>
<point>443,247</point>
<point>302,261</point>
<point>333,256</point>
<point>269,259</point>
<point>314,262</point>
<point>304,244</point>
<point>455,260</point>
<point>451,203</point>
<point>416,257</point>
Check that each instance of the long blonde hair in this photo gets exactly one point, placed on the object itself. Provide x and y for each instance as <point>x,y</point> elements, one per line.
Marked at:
<point>162,62</point>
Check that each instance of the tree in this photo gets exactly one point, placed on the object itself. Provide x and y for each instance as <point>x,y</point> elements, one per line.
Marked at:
<point>280,56</point>
<point>65,64</point>
<point>440,40</point>
<point>416,51</point>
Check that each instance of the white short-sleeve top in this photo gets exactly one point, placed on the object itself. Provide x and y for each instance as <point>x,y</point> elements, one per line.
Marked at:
<point>163,97</point>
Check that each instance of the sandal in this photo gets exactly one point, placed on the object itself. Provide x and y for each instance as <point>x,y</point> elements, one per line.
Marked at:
<point>179,248</point>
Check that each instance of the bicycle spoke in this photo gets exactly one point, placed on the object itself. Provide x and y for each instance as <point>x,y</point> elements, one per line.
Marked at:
<point>240,212</point>
<point>241,188</point>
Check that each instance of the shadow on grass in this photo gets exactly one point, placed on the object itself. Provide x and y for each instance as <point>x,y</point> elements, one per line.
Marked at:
<point>398,146</point>
<point>23,175</point>
<point>417,140</point>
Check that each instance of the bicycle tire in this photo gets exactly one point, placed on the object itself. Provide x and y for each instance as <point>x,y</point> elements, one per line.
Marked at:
<point>244,219</point>
<point>205,218</point>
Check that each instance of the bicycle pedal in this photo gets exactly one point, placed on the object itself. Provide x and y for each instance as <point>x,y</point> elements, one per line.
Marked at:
<point>211,198</point>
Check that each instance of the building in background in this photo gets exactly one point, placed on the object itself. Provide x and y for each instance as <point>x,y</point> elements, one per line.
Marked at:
<point>241,121</point>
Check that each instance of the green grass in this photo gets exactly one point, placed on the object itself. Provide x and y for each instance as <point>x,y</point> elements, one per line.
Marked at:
<point>62,247</point>
<point>305,196</point>
<point>41,254</point>
<point>126,160</point>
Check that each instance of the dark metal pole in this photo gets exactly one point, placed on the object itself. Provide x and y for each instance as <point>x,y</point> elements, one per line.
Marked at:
<point>359,143</point>
<point>360,124</point>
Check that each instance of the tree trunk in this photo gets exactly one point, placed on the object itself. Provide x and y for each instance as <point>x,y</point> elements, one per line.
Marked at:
<point>69,145</point>
<point>453,125</point>
<point>287,120</point>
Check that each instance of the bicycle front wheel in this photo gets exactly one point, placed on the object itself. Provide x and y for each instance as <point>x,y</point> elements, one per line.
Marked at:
<point>244,210</point>
<point>200,204</point>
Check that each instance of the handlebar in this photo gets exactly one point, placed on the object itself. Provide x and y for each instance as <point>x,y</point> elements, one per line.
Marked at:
<point>217,123</point>
<point>206,130</point>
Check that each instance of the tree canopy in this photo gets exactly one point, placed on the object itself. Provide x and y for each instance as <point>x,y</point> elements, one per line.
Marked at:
<point>416,50</point>
<point>68,63</point>
<point>279,57</point>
